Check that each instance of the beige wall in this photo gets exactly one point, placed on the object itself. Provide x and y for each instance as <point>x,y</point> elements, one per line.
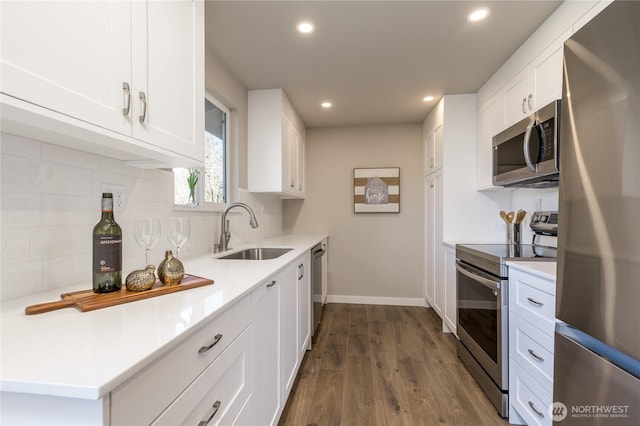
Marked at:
<point>373,257</point>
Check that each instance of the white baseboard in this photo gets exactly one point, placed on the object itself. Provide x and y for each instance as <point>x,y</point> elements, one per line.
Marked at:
<point>367,300</point>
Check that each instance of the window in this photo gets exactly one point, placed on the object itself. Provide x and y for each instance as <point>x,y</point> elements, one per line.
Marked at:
<point>208,186</point>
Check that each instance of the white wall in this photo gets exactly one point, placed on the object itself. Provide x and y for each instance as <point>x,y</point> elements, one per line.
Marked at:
<point>372,257</point>
<point>50,202</point>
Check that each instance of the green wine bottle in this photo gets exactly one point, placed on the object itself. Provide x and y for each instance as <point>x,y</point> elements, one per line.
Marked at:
<point>107,250</point>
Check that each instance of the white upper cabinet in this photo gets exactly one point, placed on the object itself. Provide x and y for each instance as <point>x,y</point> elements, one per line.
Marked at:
<point>433,142</point>
<point>537,85</point>
<point>75,64</point>
<point>276,143</point>
<point>490,123</point>
<point>107,77</point>
<point>168,75</point>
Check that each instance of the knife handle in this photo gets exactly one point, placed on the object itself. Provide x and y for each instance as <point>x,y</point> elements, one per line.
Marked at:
<point>49,306</point>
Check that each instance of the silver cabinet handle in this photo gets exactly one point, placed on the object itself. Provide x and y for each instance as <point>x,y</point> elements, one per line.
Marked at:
<point>216,339</point>
<point>535,410</point>
<point>127,93</point>
<point>524,108</point>
<point>534,302</point>
<point>530,101</point>
<point>216,407</point>
<point>271,284</point>
<point>535,355</point>
<point>143,99</point>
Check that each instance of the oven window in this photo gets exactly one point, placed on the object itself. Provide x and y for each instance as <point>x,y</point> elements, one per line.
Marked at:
<point>478,314</point>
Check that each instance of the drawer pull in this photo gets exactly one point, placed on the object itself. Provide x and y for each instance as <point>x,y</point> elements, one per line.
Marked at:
<point>533,407</point>
<point>535,302</point>
<point>216,339</point>
<point>216,406</point>
<point>535,355</point>
<point>271,284</point>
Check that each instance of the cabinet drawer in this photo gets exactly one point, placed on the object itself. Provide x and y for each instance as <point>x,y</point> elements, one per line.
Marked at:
<point>533,350</point>
<point>141,399</point>
<point>532,304</point>
<point>220,394</point>
<point>529,399</point>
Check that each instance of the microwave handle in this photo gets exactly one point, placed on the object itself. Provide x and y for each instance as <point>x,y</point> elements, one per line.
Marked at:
<point>525,145</point>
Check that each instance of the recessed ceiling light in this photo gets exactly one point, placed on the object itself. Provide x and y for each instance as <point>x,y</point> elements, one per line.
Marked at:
<point>428,98</point>
<point>478,14</point>
<point>326,105</point>
<point>305,27</point>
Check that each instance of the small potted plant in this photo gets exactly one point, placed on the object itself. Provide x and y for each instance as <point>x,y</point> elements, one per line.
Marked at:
<point>192,180</point>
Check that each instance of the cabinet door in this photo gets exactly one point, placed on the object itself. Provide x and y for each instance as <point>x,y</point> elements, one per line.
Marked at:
<point>267,350</point>
<point>546,73</point>
<point>168,75</point>
<point>438,136</point>
<point>490,123</point>
<point>288,329</point>
<point>70,57</point>
<point>304,306</point>
<point>450,291</point>
<point>516,99</point>
<point>300,165</point>
<point>289,156</point>
<point>434,251</point>
<point>430,201</point>
<point>433,144</point>
<point>438,297</point>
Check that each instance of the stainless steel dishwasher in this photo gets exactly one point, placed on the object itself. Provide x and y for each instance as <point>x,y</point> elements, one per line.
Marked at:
<point>317,297</point>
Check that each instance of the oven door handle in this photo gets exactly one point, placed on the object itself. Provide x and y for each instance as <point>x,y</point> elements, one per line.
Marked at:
<point>494,285</point>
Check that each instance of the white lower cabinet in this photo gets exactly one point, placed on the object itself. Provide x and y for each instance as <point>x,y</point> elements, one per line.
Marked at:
<point>288,328</point>
<point>282,324</point>
<point>147,395</point>
<point>450,319</point>
<point>434,278</point>
<point>266,318</point>
<point>220,395</point>
<point>236,369</point>
<point>304,305</point>
<point>531,345</point>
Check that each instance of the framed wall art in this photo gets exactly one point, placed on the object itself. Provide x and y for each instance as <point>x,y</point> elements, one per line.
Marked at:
<point>376,190</point>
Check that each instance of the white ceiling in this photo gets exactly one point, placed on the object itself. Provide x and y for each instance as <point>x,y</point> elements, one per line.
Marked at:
<point>374,60</point>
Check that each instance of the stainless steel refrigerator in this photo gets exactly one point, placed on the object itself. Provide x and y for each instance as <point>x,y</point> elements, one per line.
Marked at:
<point>597,342</point>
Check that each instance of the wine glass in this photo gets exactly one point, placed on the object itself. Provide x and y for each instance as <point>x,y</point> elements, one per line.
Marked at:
<point>146,232</point>
<point>178,232</point>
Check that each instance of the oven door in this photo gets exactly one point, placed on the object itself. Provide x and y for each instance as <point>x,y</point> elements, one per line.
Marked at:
<point>483,320</point>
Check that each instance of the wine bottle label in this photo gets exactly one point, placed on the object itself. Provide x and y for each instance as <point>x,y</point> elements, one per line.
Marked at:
<point>107,253</point>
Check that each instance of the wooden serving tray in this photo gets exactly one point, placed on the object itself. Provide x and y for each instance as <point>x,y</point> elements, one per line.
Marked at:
<point>87,300</point>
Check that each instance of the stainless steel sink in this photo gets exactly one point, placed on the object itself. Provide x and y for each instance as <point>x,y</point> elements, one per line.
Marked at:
<point>258,253</point>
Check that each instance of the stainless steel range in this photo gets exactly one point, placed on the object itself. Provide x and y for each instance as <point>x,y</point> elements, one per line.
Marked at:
<point>482,277</point>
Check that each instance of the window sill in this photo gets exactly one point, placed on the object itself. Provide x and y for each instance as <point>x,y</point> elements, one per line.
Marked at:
<point>207,207</point>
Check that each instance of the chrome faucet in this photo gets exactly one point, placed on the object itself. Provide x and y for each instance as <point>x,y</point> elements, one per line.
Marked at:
<point>225,235</point>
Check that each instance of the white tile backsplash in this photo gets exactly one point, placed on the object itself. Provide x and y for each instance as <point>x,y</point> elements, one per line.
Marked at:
<point>52,178</point>
<point>533,200</point>
<point>50,202</point>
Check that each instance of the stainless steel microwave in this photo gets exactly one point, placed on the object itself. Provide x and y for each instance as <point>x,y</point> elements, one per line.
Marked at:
<point>526,154</point>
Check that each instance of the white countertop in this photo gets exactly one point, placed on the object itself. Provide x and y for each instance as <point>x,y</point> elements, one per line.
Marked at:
<point>545,269</point>
<point>86,355</point>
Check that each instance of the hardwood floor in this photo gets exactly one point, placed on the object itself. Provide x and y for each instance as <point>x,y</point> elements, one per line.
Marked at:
<point>385,365</point>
